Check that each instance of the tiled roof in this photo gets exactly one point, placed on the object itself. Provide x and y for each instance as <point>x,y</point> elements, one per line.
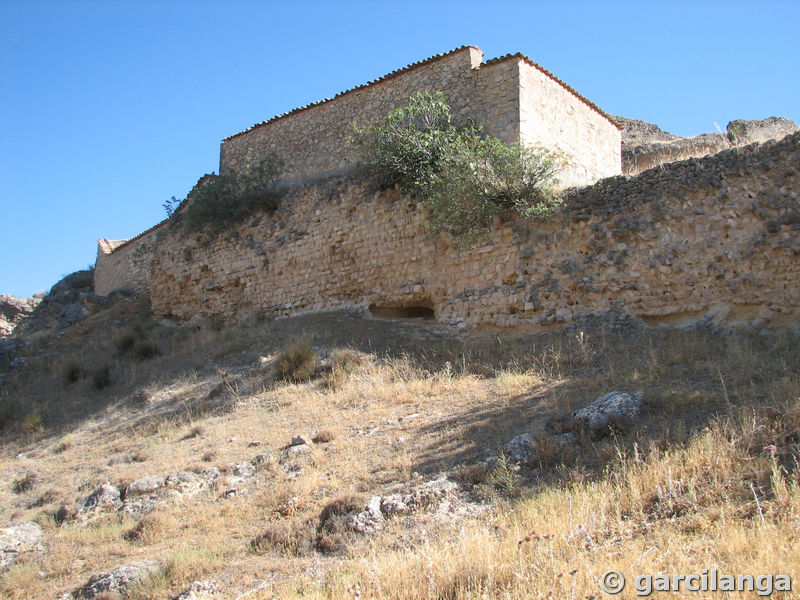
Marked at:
<point>414,65</point>
<point>106,244</point>
<point>386,77</point>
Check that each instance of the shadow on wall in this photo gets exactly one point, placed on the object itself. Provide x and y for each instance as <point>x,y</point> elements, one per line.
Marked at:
<point>418,310</point>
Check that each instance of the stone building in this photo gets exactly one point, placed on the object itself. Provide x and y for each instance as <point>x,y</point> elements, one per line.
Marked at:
<point>512,97</point>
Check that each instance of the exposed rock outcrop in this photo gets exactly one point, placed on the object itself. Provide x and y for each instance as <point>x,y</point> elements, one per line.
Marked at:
<point>117,581</point>
<point>16,540</point>
<point>68,301</point>
<point>13,311</point>
<point>614,405</point>
<point>645,145</point>
<point>771,128</point>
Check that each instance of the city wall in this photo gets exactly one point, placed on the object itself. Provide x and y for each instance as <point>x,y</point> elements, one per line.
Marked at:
<point>712,239</point>
<point>126,264</point>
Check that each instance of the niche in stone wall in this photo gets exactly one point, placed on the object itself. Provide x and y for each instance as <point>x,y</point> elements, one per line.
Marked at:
<point>419,310</point>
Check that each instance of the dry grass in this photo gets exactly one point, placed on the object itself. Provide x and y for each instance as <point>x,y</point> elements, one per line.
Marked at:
<point>675,491</point>
<point>297,363</point>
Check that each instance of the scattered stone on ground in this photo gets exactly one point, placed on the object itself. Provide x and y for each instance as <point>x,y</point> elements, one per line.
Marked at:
<point>608,409</point>
<point>368,520</point>
<point>600,413</point>
<point>299,440</point>
<point>17,540</point>
<point>198,590</point>
<point>104,499</point>
<point>520,447</point>
<point>118,581</point>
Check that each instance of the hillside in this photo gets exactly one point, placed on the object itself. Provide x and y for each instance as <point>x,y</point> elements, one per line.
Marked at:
<point>146,460</point>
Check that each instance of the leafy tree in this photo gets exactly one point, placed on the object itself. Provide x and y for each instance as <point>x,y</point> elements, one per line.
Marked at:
<point>463,178</point>
<point>233,197</point>
<point>411,142</point>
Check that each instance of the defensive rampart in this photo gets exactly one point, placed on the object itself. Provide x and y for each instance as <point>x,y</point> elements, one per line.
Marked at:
<point>125,264</point>
<point>713,238</point>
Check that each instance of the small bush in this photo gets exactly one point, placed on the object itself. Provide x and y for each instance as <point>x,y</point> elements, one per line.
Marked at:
<point>472,474</point>
<point>344,362</point>
<point>324,436</point>
<point>292,539</point>
<point>230,198</point>
<point>343,505</point>
<point>24,484</point>
<point>32,423</point>
<point>78,279</point>
<point>101,378</point>
<point>126,341</point>
<point>73,372</point>
<point>46,498</point>
<point>62,446</point>
<point>297,363</point>
<point>330,543</point>
<point>145,350</point>
<point>504,477</point>
<point>151,528</point>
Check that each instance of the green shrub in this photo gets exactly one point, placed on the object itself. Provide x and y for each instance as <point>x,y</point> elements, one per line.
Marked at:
<point>480,177</point>
<point>297,363</point>
<point>461,177</point>
<point>411,141</point>
<point>231,198</point>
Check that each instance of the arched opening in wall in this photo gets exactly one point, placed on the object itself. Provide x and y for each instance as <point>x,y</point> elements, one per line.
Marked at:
<point>419,311</point>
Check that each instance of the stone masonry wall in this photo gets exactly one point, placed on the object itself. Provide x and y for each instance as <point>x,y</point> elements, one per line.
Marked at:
<point>315,140</point>
<point>714,239</point>
<point>125,263</point>
<point>552,117</point>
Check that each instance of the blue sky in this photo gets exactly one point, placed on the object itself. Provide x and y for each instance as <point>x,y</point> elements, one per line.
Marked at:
<point>109,108</point>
